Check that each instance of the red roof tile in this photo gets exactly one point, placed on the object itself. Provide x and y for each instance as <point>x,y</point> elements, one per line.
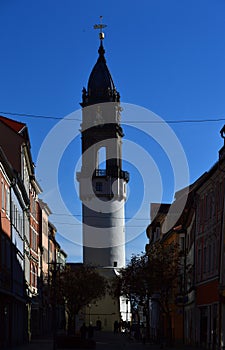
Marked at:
<point>13,124</point>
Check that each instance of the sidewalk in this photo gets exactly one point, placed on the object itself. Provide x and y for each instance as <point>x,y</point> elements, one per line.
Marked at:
<point>36,344</point>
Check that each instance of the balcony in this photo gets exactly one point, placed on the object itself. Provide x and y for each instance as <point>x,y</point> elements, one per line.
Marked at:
<point>115,173</point>
<point>100,172</point>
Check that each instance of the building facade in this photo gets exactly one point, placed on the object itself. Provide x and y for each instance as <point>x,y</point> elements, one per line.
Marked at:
<point>23,260</point>
<point>209,247</point>
<point>201,229</point>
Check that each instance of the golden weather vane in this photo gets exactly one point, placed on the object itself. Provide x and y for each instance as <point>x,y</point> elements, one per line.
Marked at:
<point>100,26</point>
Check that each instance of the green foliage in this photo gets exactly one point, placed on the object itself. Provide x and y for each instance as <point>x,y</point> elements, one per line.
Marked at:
<point>76,286</point>
<point>80,286</point>
<point>150,273</point>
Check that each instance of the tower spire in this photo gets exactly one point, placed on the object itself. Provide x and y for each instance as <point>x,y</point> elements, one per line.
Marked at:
<point>100,26</point>
<point>100,84</point>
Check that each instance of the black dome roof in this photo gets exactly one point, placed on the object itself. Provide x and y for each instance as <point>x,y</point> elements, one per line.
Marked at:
<point>100,79</point>
<point>100,84</point>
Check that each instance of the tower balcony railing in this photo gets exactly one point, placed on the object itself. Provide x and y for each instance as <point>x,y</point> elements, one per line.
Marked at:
<point>121,174</point>
<point>100,172</point>
<point>124,175</point>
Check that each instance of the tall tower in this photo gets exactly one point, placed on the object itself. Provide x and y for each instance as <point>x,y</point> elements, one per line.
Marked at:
<point>101,179</point>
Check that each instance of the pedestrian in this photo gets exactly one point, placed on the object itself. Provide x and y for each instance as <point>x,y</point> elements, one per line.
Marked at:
<point>83,331</point>
<point>143,334</point>
<point>99,325</point>
<point>116,327</point>
<point>90,331</point>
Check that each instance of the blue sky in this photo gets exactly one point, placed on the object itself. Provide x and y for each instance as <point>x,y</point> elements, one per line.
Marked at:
<point>165,56</point>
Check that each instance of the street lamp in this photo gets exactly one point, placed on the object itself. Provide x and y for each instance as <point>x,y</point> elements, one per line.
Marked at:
<point>56,268</point>
<point>181,230</point>
<point>147,311</point>
<point>89,306</point>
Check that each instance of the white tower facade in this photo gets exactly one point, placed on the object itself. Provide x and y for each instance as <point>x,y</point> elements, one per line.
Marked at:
<point>102,181</point>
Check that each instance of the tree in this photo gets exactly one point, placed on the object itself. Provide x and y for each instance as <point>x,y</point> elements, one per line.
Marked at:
<point>131,281</point>
<point>153,272</point>
<point>79,285</point>
<point>163,267</point>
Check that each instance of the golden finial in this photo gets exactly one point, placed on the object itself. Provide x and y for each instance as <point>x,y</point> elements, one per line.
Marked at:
<point>100,26</point>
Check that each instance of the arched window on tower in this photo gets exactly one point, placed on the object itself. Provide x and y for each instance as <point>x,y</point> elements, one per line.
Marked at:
<point>101,160</point>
